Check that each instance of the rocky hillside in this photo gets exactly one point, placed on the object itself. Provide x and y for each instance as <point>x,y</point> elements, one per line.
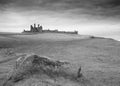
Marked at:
<point>45,71</point>
<point>99,58</point>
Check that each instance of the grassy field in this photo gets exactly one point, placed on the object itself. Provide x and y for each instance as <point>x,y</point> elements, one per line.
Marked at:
<point>98,57</point>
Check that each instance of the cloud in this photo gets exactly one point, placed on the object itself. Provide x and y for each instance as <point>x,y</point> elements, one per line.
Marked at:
<point>4,2</point>
<point>104,9</point>
<point>92,7</point>
<point>86,16</point>
<point>62,4</point>
<point>114,3</point>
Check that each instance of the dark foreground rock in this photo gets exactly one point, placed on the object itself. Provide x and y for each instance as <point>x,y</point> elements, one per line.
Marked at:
<point>29,66</point>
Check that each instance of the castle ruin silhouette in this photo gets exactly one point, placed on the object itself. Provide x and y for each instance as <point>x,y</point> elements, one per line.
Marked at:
<point>39,29</point>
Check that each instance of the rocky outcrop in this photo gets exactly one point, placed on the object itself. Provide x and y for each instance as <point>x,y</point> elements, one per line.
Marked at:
<point>28,66</point>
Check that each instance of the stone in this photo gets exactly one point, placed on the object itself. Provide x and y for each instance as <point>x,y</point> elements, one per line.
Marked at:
<point>30,65</point>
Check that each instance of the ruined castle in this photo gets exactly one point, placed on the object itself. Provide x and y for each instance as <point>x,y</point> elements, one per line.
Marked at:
<point>35,28</point>
<point>39,29</point>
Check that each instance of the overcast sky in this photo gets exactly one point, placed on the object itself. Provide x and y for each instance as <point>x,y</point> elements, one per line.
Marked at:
<point>101,17</point>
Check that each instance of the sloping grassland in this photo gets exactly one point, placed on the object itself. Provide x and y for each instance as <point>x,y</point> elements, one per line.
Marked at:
<point>98,57</point>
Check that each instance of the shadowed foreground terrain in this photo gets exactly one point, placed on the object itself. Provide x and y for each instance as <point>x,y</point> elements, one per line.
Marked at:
<point>98,57</point>
<point>47,69</point>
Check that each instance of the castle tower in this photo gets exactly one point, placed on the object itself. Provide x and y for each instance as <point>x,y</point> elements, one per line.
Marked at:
<point>41,27</point>
<point>38,25</point>
<point>31,28</point>
<point>34,25</point>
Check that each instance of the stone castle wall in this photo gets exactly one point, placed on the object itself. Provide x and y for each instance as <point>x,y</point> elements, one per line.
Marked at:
<point>39,29</point>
